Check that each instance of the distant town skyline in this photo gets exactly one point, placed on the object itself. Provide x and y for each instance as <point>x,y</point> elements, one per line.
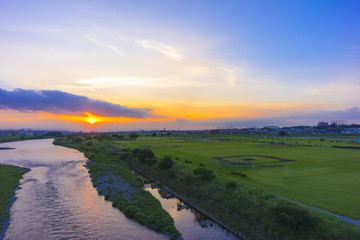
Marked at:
<point>101,65</point>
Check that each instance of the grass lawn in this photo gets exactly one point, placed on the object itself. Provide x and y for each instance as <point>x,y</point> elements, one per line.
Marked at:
<point>9,179</point>
<point>318,175</point>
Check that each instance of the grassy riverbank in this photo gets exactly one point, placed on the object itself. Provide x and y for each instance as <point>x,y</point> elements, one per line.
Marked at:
<point>114,179</point>
<point>9,180</point>
<point>31,137</point>
<point>223,191</point>
<point>318,174</point>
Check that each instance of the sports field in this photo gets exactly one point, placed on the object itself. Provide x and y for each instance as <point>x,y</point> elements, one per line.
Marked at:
<point>318,174</point>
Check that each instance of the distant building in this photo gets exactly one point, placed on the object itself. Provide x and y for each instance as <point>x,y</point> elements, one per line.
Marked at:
<point>323,124</point>
<point>272,127</point>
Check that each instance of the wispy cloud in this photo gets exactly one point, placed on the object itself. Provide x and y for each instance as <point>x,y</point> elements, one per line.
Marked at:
<point>121,81</point>
<point>59,102</point>
<point>167,50</point>
<point>102,43</point>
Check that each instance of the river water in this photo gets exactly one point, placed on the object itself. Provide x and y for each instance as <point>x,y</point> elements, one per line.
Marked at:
<point>188,220</point>
<point>56,200</point>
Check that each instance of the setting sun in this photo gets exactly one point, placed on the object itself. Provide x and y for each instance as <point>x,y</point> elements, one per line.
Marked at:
<point>92,121</point>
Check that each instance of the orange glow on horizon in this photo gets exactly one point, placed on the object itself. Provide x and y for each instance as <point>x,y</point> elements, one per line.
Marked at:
<point>166,112</point>
<point>93,119</point>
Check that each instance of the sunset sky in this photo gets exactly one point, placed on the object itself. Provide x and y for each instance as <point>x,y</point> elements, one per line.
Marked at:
<point>129,65</point>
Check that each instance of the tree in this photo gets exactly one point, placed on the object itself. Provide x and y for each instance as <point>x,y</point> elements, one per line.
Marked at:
<point>145,153</point>
<point>204,174</point>
<point>166,163</point>
<point>153,134</point>
<point>282,133</point>
<point>133,135</point>
<point>292,217</point>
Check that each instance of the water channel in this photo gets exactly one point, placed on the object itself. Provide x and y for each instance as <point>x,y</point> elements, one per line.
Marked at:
<point>189,221</point>
<point>56,200</point>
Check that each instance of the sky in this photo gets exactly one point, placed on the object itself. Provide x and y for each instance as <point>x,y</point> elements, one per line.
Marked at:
<point>129,65</point>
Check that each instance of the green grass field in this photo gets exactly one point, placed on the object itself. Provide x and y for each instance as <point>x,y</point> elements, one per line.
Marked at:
<point>9,179</point>
<point>318,175</point>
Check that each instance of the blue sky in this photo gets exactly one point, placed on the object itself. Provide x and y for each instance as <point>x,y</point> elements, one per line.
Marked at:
<point>199,61</point>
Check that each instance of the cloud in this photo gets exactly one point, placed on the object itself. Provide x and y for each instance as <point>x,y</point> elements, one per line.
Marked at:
<point>169,51</point>
<point>105,44</point>
<point>59,102</point>
<point>121,81</point>
<point>181,121</point>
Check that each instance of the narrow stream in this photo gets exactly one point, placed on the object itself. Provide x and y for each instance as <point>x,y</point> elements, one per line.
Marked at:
<point>190,222</point>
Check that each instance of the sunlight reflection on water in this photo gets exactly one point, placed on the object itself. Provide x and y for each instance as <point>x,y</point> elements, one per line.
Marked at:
<point>58,201</point>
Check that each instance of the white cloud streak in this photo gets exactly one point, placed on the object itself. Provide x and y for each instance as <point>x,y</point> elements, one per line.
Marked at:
<point>166,50</point>
<point>103,43</point>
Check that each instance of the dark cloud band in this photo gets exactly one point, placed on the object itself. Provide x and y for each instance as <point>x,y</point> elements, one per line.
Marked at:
<point>59,102</point>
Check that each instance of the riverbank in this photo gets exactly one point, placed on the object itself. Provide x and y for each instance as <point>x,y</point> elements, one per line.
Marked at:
<point>10,177</point>
<point>114,180</point>
<point>253,212</point>
<point>189,203</point>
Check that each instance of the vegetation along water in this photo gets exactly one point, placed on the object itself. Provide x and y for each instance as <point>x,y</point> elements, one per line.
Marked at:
<point>235,178</point>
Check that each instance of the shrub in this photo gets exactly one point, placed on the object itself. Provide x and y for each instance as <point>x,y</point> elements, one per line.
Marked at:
<point>231,184</point>
<point>238,173</point>
<point>133,135</point>
<point>124,156</point>
<point>150,161</point>
<point>145,153</point>
<point>136,150</point>
<point>204,174</point>
<point>282,133</point>
<point>77,139</point>
<point>292,217</point>
<point>166,163</point>
<point>130,211</point>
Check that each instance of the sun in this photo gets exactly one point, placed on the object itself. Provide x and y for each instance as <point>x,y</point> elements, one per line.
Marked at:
<point>92,120</point>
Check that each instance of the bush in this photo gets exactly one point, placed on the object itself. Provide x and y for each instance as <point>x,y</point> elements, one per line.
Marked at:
<point>282,133</point>
<point>166,163</point>
<point>231,184</point>
<point>238,173</point>
<point>124,156</point>
<point>133,135</point>
<point>131,211</point>
<point>145,153</point>
<point>291,217</point>
<point>119,136</point>
<point>150,161</point>
<point>204,174</point>
<point>77,139</point>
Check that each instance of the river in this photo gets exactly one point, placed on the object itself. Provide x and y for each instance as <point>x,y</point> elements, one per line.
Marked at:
<point>56,200</point>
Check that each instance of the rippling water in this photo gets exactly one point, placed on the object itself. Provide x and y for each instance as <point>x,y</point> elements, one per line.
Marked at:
<point>57,200</point>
